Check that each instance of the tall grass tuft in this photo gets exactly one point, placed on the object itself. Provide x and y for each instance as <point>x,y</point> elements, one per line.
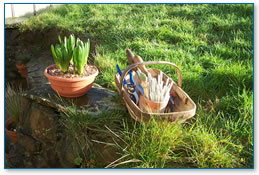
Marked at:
<point>14,102</point>
<point>82,127</point>
<point>147,145</point>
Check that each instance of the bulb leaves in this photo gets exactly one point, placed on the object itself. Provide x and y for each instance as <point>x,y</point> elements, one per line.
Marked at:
<point>71,50</point>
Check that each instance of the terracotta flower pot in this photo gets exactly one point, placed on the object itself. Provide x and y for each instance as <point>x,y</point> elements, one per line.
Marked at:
<point>22,70</point>
<point>11,134</point>
<point>151,106</point>
<point>70,87</point>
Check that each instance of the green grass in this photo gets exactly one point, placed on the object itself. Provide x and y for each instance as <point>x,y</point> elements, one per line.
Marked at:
<point>147,145</point>
<point>213,46</point>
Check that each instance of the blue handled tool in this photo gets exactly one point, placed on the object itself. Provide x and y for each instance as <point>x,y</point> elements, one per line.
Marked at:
<point>119,70</point>
<point>134,93</point>
<point>131,77</point>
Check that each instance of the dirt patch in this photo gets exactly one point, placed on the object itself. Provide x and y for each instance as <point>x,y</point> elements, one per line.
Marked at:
<point>88,70</point>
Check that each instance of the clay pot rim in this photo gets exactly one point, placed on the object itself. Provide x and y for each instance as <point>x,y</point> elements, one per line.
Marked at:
<point>68,79</point>
<point>7,123</point>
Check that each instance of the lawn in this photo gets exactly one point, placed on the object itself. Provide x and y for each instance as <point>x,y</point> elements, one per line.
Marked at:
<point>213,46</point>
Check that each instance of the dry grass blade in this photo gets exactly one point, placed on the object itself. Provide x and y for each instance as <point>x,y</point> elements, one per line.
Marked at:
<point>106,143</point>
<point>114,133</point>
<point>112,165</point>
<point>108,166</point>
<point>128,161</point>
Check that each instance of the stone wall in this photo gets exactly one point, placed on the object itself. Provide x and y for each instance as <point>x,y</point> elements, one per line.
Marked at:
<point>37,139</point>
<point>43,141</point>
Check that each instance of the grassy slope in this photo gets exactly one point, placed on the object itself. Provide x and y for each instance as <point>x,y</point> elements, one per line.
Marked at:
<point>212,45</point>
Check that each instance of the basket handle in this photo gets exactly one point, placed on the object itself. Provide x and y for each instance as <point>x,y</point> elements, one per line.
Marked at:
<point>132,66</point>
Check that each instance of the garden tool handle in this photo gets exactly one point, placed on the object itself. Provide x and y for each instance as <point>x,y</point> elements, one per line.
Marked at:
<point>138,59</point>
<point>119,70</point>
<point>133,59</point>
<point>130,56</point>
<point>132,66</point>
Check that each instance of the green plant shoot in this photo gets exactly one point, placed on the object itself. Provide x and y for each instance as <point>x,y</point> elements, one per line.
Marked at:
<point>63,52</point>
<point>71,50</point>
<point>80,55</point>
